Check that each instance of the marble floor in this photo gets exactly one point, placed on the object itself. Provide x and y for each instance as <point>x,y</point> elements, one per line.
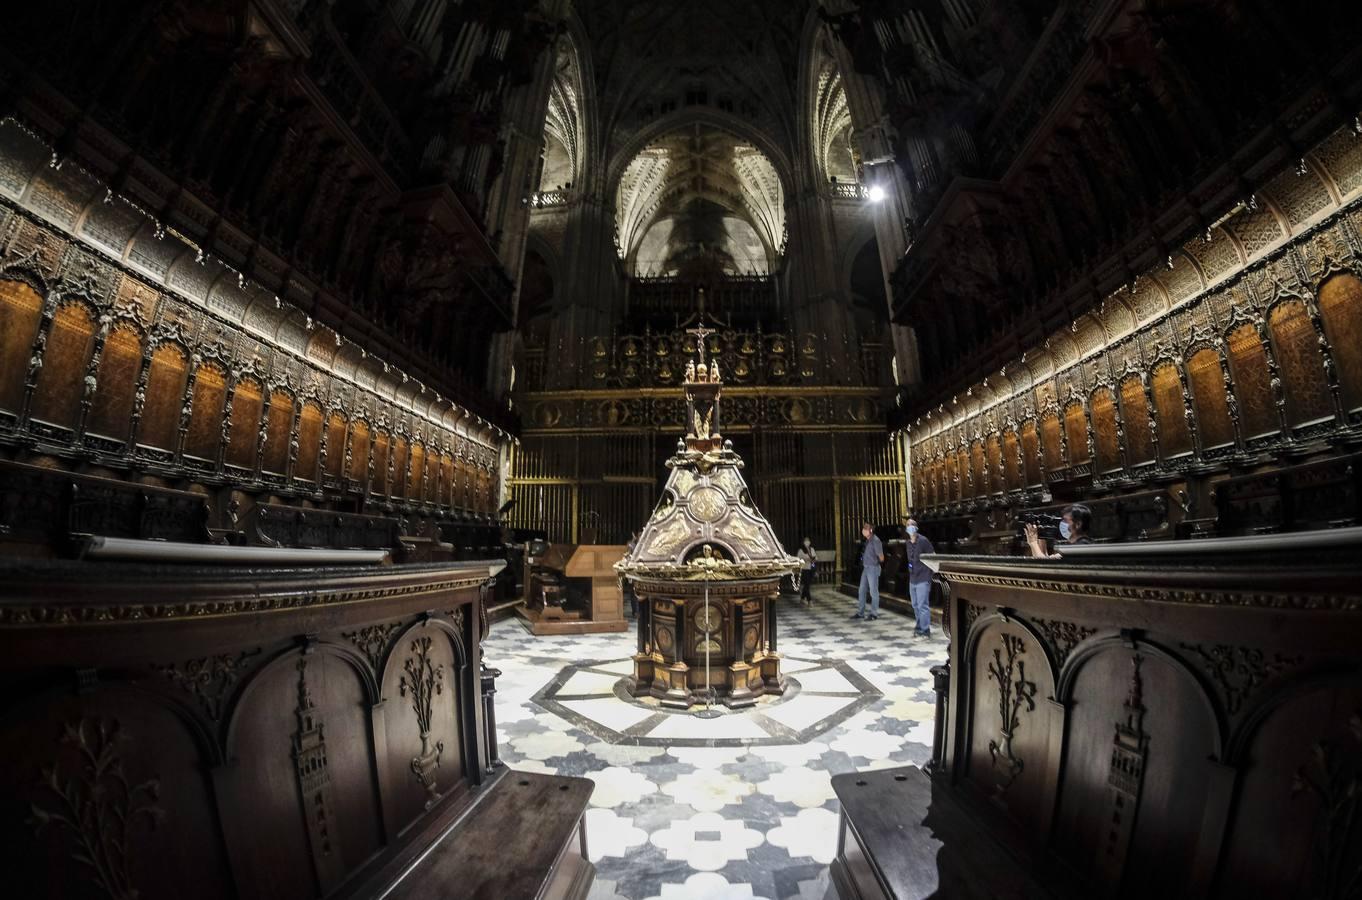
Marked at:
<point>739,806</point>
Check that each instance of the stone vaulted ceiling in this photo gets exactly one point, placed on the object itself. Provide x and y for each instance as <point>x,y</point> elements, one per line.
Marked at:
<point>647,53</point>
<point>701,164</point>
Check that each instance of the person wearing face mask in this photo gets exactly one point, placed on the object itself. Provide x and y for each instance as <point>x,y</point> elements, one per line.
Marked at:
<point>809,557</point>
<point>1073,529</point>
<point>919,579</point>
<point>872,557</point>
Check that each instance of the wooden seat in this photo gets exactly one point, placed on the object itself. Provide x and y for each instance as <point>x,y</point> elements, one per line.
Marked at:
<point>524,839</point>
<point>900,838</point>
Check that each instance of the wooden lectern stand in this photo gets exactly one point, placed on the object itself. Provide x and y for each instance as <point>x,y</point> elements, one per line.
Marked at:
<point>605,612</point>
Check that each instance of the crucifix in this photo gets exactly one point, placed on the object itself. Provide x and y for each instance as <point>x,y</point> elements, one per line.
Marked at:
<point>701,332</point>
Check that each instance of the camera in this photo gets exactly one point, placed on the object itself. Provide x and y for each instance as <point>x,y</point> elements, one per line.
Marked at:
<point>1047,526</point>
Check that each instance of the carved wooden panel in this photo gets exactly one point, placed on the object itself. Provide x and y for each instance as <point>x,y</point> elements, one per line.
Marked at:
<point>1208,398</point>
<point>1030,439</point>
<point>1252,383</point>
<point>382,446</point>
<point>69,344</point>
<point>995,462</point>
<point>1076,432</point>
<point>277,431</point>
<point>398,488</point>
<point>336,428</point>
<point>1169,780</point>
<point>128,777</point>
<point>359,450</point>
<point>1287,837</point>
<point>279,718</point>
<point>421,694</point>
<point>447,479</point>
<point>1052,443</point>
<point>247,405</point>
<point>116,380</point>
<point>20,311</point>
<point>206,410</point>
<point>1105,440</point>
<point>416,489</point>
<point>309,442</point>
<point>1139,440</point>
<point>1174,438</point>
<point>1340,306</point>
<point>1296,345</point>
<point>1010,719</point>
<point>1012,470</point>
<point>976,455</point>
<point>165,395</point>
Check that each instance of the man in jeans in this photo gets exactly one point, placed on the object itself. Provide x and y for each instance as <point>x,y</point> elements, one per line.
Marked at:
<point>872,557</point>
<point>919,579</point>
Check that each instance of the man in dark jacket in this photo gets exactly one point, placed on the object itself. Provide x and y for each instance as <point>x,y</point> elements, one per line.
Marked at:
<point>872,558</point>
<point>919,579</point>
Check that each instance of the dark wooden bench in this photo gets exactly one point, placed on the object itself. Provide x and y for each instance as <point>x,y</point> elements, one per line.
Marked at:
<point>1319,494</point>
<point>47,510</point>
<point>524,839</point>
<point>902,837</point>
<point>278,525</point>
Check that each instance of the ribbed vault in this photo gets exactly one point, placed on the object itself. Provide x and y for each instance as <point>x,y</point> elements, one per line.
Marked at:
<point>716,189</point>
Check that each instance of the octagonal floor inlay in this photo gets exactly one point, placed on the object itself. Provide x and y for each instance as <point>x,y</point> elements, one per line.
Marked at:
<point>819,694</point>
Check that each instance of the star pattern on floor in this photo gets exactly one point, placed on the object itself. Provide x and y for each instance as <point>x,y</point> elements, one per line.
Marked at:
<point>678,816</point>
<point>819,694</point>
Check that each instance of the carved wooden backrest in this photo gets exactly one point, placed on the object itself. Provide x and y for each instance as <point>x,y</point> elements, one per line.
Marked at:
<point>20,312</point>
<point>1340,306</point>
<point>1296,347</point>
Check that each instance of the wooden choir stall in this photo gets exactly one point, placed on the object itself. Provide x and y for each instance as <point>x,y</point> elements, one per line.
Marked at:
<point>1162,719</point>
<point>266,729</point>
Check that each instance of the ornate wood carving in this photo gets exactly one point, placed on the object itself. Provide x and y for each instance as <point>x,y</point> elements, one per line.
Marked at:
<point>1332,776</point>
<point>1063,636</point>
<point>1238,672</point>
<point>1013,695</point>
<point>95,807</point>
<point>423,681</point>
<point>1130,744</point>
<point>211,679</point>
<point>373,640</point>
<point>314,787</point>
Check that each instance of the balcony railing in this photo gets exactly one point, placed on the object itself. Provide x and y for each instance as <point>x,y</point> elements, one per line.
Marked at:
<point>541,199</point>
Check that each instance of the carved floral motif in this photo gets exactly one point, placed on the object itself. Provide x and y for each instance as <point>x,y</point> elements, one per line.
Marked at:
<point>372,640</point>
<point>1063,636</point>
<point>96,807</point>
<point>1013,694</point>
<point>423,681</point>
<point>1239,671</point>
<point>211,678</point>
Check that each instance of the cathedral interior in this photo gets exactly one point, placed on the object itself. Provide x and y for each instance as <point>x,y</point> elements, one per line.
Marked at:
<point>642,449</point>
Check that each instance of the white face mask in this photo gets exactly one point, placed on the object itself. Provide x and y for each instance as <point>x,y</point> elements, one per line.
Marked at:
<point>912,530</point>
<point>1065,531</point>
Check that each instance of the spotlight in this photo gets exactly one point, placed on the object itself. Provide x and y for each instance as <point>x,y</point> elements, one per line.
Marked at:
<point>876,193</point>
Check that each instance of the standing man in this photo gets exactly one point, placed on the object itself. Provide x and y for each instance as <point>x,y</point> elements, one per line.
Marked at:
<point>919,580</point>
<point>872,557</point>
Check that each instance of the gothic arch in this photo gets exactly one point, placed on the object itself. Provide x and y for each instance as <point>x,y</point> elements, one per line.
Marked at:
<point>702,115</point>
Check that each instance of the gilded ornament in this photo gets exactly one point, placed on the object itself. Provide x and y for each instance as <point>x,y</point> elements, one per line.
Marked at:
<point>669,536</point>
<point>706,503</point>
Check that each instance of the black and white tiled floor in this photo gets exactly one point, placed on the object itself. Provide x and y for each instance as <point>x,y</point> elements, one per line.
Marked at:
<point>733,807</point>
